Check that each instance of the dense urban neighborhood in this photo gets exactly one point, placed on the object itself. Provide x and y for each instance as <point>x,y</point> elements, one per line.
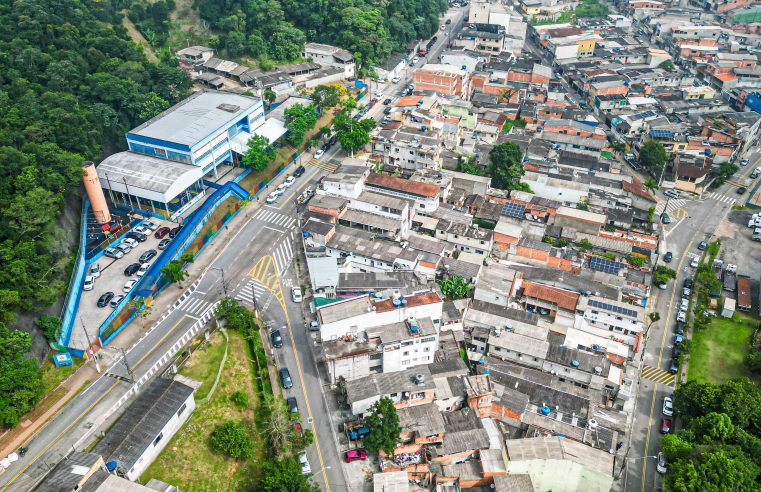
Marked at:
<point>418,245</point>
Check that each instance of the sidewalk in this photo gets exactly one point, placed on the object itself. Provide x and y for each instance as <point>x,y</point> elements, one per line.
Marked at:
<point>33,422</point>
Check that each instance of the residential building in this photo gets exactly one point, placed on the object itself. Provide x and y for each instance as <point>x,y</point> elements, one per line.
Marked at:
<point>408,388</point>
<point>442,79</point>
<point>330,55</point>
<point>408,148</point>
<point>425,196</point>
<point>606,316</point>
<point>195,55</point>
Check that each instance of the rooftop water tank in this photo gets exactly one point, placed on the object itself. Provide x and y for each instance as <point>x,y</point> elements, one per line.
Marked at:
<point>545,410</point>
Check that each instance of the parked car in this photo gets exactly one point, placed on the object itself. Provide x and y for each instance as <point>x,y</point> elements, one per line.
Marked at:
<point>687,284</point>
<point>702,245</point>
<point>173,233</point>
<point>277,339</point>
<point>355,455</point>
<point>668,257</point>
<point>314,326</point>
<point>128,285</point>
<point>665,425</point>
<point>296,294</point>
<point>387,111</point>
<point>89,283</point>
<point>164,243</point>
<point>415,60</point>
<point>685,305</point>
<point>142,230</point>
<point>148,255</point>
<point>162,232</point>
<point>665,218</point>
<point>306,468</point>
<point>281,189</point>
<point>668,406</point>
<point>124,247</point>
<point>95,270</point>
<point>285,378</point>
<point>695,262</point>
<point>137,236</point>
<point>387,101</point>
<point>151,225</point>
<point>396,79</point>
<point>113,253</point>
<point>674,366</point>
<point>289,181</point>
<point>678,339</point>
<point>676,351</point>
<point>272,197</point>
<point>671,193</point>
<point>682,316</point>
<point>116,300</point>
<point>686,292</point>
<point>662,467</point>
<point>299,171</point>
<point>143,268</point>
<point>744,162</point>
<point>131,242</point>
<point>131,269</point>
<point>741,190</point>
<point>104,299</point>
<point>293,406</point>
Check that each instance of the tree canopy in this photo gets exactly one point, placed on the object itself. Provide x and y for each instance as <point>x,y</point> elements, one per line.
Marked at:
<point>383,423</point>
<point>653,155</point>
<point>299,119</point>
<point>506,167</point>
<point>259,153</point>
<point>231,438</point>
<point>20,377</point>
<point>455,287</point>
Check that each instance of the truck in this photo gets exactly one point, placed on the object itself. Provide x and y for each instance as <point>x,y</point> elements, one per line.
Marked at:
<point>730,278</point>
<point>743,293</point>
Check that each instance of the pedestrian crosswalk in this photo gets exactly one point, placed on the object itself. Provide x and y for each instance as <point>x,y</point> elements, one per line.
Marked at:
<point>673,205</point>
<point>275,218</point>
<point>325,165</point>
<point>658,375</point>
<point>283,254</point>
<point>195,306</point>
<point>720,198</point>
<point>251,289</point>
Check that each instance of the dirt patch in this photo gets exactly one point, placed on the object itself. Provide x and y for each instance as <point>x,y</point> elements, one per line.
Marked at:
<point>138,38</point>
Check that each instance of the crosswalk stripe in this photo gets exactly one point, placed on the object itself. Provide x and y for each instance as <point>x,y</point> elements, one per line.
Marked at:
<point>327,166</point>
<point>198,309</point>
<point>190,305</point>
<point>658,375</point>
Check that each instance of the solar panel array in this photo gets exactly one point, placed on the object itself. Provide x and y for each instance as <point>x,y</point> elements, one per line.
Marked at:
<point>516,210</point>
<point>615,309</point>
<point>661,133</point>
<point>605,265</point>
<point>643,115</point>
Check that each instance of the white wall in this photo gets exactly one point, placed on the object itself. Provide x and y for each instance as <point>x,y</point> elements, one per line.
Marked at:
<point>566,51</point>
<point>358,324</point>
<point>415,353</point>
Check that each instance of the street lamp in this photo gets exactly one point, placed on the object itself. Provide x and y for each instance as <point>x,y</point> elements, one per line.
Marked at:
<point>224,283</point>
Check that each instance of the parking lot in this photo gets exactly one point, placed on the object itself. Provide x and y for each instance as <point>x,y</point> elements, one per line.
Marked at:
<point>738,248</point>
<point>112,279</point>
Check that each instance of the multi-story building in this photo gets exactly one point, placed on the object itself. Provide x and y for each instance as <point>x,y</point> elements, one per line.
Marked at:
<point>408,148</point>
<point>442,79</point>
<point>425,196</point>
<point>624,321</point>
<point>325,54</point>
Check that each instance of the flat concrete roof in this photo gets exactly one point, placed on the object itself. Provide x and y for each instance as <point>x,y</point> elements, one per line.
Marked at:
<point>192,120</point>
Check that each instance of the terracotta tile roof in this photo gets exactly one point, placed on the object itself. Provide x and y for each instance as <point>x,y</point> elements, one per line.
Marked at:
<point>637,188</point>
<point>409,101</point>
<point>412,301</point>
<point>725,77</point>
<point>530,167</point>
<point>564,299</point>
<point>403,185</point>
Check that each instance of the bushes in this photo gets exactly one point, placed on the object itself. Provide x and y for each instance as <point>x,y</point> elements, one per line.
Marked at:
<point>240,399</point>
<point>232,439</point>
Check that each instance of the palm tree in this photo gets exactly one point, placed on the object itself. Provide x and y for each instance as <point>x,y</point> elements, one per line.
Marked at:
<point>651,184</point>
<point>174,273</point>
<point>506,95</point>
<point>187,258</point>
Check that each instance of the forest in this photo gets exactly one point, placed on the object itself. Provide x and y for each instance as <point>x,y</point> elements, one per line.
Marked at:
<point>277,30</point>
<point>71,84</point>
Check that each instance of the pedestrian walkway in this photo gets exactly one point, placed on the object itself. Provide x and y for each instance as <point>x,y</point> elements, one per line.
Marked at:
<point>251,289</point>
<point>327,166</point>
<point>658,375</point>
<point>283,255</point>
<point>673,205</point>
<point>195,306</point>
<point>275,218</point>
<point>721,198</point>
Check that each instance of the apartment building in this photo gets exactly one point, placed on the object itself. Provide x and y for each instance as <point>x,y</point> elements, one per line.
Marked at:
<point>326,54</point>
<point>425,196</point>
<point>408,148</point>
<point>442,79</point>
<point>623,321</point>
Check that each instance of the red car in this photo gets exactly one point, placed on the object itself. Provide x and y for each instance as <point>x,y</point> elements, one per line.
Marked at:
<point>161,232</point>
<point>355,455</point>
<point>665,426</point>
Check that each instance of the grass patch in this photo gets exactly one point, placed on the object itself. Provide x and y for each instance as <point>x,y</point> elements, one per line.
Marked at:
<point>717,351</point>
<point>52,376</point>
<point>188,461</point>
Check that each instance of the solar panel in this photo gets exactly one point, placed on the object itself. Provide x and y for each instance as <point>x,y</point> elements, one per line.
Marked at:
<point>516,210</point>
<point>605,265</point>
<point>615,309</point>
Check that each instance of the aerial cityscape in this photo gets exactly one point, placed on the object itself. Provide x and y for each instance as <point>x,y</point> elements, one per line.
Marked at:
<point>401,246</point>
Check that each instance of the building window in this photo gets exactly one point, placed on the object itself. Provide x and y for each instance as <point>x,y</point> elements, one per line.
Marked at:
<point>406,353</point>
<point>158,438</point>
<point>182,409</point>
<point>376,356</point>
<point>405,362</point>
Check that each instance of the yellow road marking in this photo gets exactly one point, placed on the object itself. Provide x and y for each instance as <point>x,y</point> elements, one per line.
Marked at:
<point>681,213</point>
<point>658,375</point>
<point>87,410</point>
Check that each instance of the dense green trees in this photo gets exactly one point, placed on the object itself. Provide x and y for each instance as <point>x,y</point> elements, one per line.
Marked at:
<point>373,30</point>
<point>231,438</point>
<point>653,156</point>
<point>506,167</point>
<point>20,379</point>
<point>455,287</point>
<point>383,422</point>
<point>259,153</point>
<point>299,119</point>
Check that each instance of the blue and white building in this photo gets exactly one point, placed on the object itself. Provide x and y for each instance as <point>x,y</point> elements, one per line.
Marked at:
<point>170,155</point>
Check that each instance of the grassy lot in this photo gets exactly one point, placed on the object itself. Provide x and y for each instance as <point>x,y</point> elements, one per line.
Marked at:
<point>188,461</point>
<point>52,376</point>
<point>717,352</point>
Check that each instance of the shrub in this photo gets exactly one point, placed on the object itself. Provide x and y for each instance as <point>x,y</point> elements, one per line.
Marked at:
<point>231,439</point>
<point>240,399</point>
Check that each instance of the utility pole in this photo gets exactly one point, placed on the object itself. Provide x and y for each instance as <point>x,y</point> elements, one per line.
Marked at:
<point>126,365</point>
<point>89,346</point>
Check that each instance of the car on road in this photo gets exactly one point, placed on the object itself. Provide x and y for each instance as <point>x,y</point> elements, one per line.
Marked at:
<point>449,21</point>
<point>289,181</point>
<point>662,467</point>
<point>89,283</point>
<point>292,404</point>
<point>285,378</point>
<point>160,233</point>
<point>116,300</point>
<point>754,174</point>
<point>744,162</point>
<point>678,339</point>
<point>676,351</point>
<point>686,292</point>
<point>281,189</point>
<point>173,233</point>
<point>702,245</point>
<point>379,95</point>
<point>314,326</point>
<point>666,425</point>
<point>741,190</point>
<point>685,305</point>
<point>104,299</point>
<point>142,230</point>
<point>306,468</point>
<point>355,455</point>
<point>668,406</point>
<point>668,257</point>
<point>299,171</point>
<point>132,243</point>
<point>148,255</point>
<point>665,218</point>
<point>687,283</point>
<point>319,153</point>
<point>128,285</point>
<point>277,339</point>
<point>113,253</point>
<point>296,294</point>
<point>695,262</point>
<point>674,366</point>
<point>272,197</point>
<point>415,60</point>
<point>95,270</point>
<point>681,316</point>
<point>164,243</point>
<point>679,328</point>
<point>151,225</point>
<point>396,79</point>
<point>143,268</point>
<point>387,101</point>
<point>137,236</point>
<point>671,193</point>
<point>131,269</point>
<point>387,111</point>
<point>663,286</point>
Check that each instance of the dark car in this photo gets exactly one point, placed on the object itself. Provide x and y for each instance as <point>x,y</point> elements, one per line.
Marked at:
<point>293,406</point>
<point>679,328</point>
<point>299,171</point>
<point>103,300</point>
<point>137,236</point>
<point>164,243</point>
<point>665,218</point>
<point>387,101</point>
<point>387,111</point>
<point>148,255</point>
<point>741,190</point>
<point>285,378</point>
<point>161,232</point>
<point>702,246</point>
<point>676,352</point>
<point>132,269</point>
<point>687,283</point>
<point>674,366</point>
<point>277,339</point>
<point>668,257</point>
<point>333,140</point>
<point>173,233</point>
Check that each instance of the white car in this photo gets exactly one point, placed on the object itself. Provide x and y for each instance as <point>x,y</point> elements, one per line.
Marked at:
<point>143,268</point>
<point>319,154</point>
<point>379,95</point>
<point>151,225</point>
<point>296,294</point>
<point>289,181</point>
<point>113,253</point>
<point>681,317</point>
<point>306,468</point>
<point>89,283</point>
<point>272,197</point>
<point>415,60</point>
<point>396,79</point>
<point>95,270</point>
<point>671,193</point>
<point>130,242</point>
<point>668,406</point>
<point>685,305</point>
<point>695,262</point>
<point>281,189</point>
<point>143,230</point>
<point>662,467</point>
<point>128,285</point>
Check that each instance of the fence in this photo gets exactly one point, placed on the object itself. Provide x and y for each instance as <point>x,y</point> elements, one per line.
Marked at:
<point>74,292</point>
